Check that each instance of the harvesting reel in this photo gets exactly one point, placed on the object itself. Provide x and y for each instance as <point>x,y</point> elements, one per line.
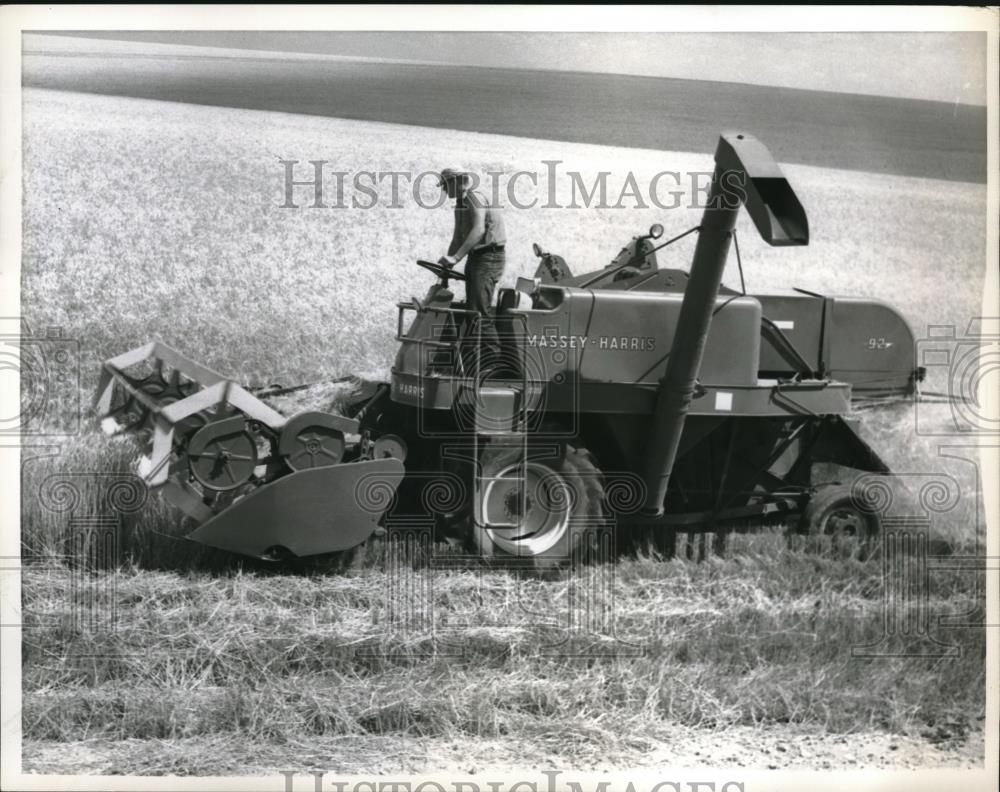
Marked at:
<point>255,482</point>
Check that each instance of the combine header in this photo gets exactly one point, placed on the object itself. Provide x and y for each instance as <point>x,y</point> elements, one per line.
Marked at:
<point>705,405</point>
<point>257,483</point>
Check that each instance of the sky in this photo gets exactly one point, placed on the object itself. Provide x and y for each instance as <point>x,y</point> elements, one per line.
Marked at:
<point>947,67</point>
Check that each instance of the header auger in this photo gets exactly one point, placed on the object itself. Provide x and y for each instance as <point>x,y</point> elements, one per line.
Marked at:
<point>256,482</point>
<point>629,396</point>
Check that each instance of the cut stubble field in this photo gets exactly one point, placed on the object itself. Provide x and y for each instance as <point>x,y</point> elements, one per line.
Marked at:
<point>147,219</point>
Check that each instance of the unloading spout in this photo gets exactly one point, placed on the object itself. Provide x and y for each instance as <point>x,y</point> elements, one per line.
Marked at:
<point>745,174</point>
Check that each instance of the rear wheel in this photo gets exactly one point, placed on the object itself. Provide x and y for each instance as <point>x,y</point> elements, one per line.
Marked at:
<point>542,511</point>
<point>834,513</point>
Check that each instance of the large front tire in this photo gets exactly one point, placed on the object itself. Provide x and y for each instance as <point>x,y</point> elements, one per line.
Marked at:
<point>542,512</point>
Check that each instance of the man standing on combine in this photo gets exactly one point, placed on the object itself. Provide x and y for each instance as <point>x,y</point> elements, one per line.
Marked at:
<point>479,233</point>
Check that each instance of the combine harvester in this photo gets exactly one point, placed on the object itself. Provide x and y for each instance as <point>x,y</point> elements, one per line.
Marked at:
<point>632,396</point>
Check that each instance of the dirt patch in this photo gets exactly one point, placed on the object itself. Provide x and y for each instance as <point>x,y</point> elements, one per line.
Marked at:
<point>745,748</point>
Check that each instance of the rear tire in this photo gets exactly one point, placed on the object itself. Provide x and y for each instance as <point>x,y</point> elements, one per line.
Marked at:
<point>554,519</point>
<point>834,514</point>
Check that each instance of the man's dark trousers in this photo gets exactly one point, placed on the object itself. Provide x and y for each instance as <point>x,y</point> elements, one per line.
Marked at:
<point>482,273</point>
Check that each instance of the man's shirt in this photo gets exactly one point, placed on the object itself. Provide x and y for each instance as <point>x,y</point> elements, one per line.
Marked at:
<point>493,233</point>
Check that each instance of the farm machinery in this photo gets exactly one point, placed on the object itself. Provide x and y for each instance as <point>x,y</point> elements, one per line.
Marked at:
<point>628,401</point>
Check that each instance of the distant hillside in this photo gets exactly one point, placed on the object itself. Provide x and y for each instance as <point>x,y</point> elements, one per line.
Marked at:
<point>940,66</point>
<point>876,134</point>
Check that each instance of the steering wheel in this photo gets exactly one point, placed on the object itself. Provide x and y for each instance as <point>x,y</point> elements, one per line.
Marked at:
<point>441,271</point>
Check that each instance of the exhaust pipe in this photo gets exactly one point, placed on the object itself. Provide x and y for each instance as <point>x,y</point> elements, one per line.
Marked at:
<point>745,174</point>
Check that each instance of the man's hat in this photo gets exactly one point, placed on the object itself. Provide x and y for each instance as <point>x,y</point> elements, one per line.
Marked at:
<point>451,174</point>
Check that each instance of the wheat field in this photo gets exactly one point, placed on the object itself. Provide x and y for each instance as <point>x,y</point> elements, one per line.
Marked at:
<point>147,219</point>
